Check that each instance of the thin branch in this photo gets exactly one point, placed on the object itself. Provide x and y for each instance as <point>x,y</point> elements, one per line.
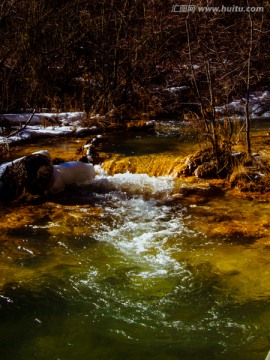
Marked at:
<point>20,130</point>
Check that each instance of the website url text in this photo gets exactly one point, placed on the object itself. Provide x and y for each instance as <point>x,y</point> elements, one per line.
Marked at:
<point>216,9</point>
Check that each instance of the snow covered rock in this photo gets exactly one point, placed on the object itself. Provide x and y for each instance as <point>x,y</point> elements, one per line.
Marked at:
<point>69,173</point>
<point>32,173</point>
<point>36,174</point>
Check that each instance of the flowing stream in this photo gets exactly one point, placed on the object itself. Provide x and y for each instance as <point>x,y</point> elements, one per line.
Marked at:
<point>130,269</point>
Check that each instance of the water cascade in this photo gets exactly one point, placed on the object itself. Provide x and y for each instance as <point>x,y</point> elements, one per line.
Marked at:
<point>153,165</point>
<point>131,267</point>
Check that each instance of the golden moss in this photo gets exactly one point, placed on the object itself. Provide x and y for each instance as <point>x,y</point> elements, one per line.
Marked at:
<point>152,165</point>
<point>232,219</point>
<point>65,219</point>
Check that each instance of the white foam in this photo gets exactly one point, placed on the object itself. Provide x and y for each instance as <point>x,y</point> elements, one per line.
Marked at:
<point>144,234</point>
<point>134,183</point>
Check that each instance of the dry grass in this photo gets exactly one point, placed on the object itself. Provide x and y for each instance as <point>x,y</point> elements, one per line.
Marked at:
<point>4,148</point>
<point>253,175</point>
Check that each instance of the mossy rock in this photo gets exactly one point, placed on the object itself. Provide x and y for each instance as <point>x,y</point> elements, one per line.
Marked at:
<point>203,164</point>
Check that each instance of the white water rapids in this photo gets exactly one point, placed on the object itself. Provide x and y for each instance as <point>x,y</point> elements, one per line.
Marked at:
<point>116,267</point>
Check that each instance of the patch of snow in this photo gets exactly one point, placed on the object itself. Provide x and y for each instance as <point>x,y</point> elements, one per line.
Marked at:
<point>3,140</point>
<point>150,122</point>
<point>195,67</point>
<point>266,115</point>
<point>72,172</point>
<point>266,95</point>
<point>43,118</point>
<point>259,106</point>
<point>174,89</point>
<point>46,125</point>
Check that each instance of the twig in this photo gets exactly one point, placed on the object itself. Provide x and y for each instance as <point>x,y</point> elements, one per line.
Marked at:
<point>27,122</point>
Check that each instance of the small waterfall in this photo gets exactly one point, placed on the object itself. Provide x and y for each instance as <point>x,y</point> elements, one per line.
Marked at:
<point>152,165</point>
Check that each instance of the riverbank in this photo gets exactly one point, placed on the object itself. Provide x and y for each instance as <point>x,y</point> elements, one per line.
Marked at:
<point>182,157</point>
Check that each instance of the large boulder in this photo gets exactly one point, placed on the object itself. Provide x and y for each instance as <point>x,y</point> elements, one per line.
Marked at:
<point>13,181</point>
<point>33,173</point>
<point>70,173</point>
<point>39,170</point>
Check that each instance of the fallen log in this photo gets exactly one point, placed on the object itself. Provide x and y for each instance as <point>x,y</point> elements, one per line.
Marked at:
<point>33,173</point>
